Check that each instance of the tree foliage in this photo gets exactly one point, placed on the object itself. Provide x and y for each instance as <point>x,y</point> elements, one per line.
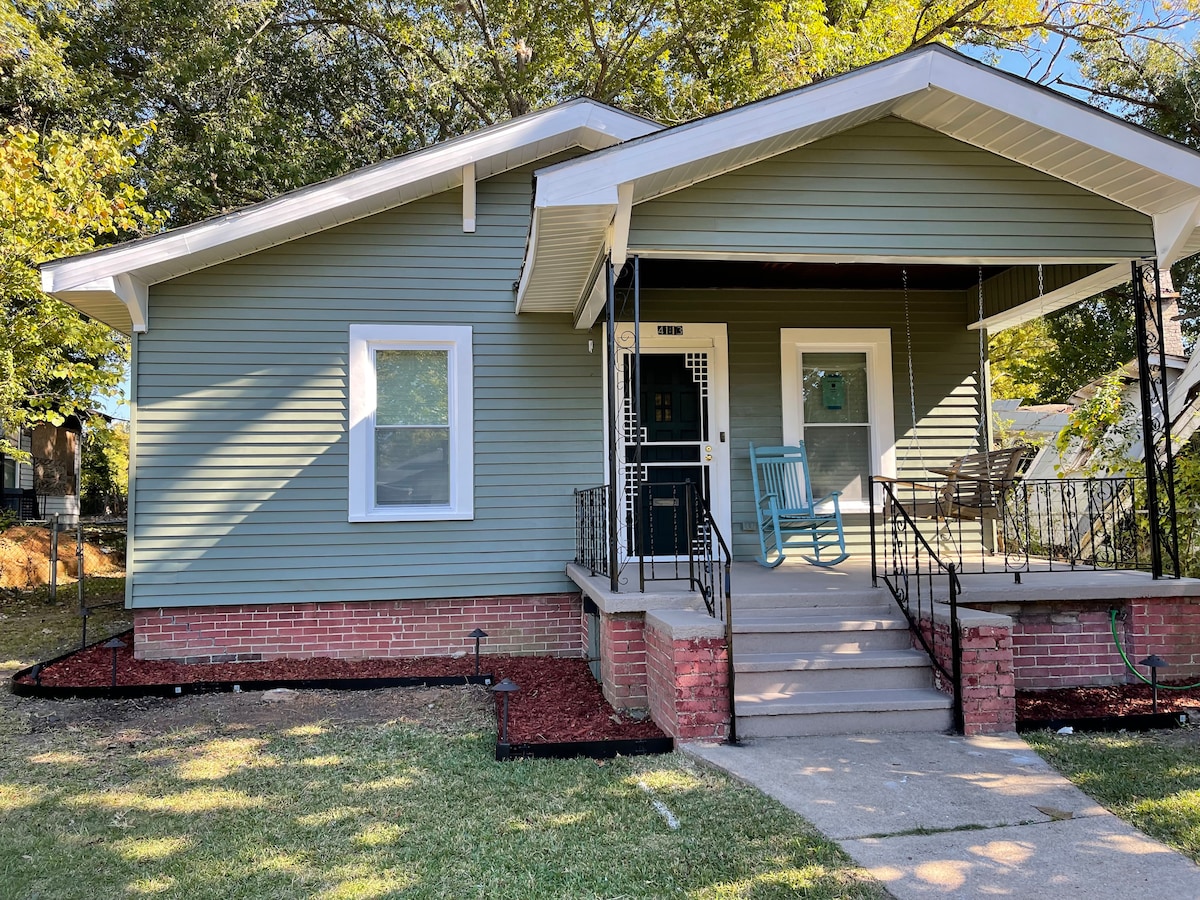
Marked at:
<point>1048,359</point>
<point>104,467</point>
<point>59,194</point>
<point>255,97</point>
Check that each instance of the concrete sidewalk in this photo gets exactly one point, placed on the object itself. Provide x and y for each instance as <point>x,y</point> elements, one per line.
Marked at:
<point>1004,823</point>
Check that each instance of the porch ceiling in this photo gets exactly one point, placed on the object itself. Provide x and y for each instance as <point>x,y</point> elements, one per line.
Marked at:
<point>932,87</point>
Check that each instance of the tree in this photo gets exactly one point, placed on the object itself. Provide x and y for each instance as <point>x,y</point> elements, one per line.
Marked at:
<point>1048,359</point>
<point>59,193</point>
<point>104,467</point>
<point>255,97</point>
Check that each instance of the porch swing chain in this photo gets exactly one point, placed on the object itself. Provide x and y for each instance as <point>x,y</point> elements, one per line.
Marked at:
<point>985,432</point>
<point>912,383</point>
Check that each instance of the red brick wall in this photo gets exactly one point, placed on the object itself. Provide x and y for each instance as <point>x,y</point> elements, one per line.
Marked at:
<point>1070,644</point>
<point>1059,646</point>
<point>623,659</point>
<point>543,624</point>
<point>689,686</point>
<point>988,688</point>
<point>1169,627</point>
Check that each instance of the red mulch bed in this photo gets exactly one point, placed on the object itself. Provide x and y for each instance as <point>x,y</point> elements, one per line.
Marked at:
<point>558,700</point>
<point>1099,701</point>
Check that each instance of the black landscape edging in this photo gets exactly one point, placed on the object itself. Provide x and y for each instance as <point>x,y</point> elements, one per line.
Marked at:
<point>1136,722</point>
<point>22,688</point>
<point>589,749</point>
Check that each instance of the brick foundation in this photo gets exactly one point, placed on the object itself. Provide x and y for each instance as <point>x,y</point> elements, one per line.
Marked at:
<point>540,624</point>
<point>1070,644</point>
<point>988,689</point>
<point>688,676</point>
<point>623,659</point>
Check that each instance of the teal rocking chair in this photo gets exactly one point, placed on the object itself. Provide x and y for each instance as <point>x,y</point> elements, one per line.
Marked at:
<point>787,515</point>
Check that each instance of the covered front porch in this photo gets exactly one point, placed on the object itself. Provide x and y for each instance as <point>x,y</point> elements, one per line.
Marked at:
<point>823,268</point>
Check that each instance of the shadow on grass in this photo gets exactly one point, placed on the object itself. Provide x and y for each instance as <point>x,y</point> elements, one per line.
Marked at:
<point>1152,779</point>
<point>313,808</point>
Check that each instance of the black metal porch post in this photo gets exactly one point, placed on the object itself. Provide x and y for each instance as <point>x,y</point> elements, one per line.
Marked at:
<point>613,425</point>
<point>1156,419</point>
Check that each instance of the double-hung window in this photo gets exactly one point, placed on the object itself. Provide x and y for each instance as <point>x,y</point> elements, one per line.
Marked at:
<point>411,415</point>
<point>837,398</point>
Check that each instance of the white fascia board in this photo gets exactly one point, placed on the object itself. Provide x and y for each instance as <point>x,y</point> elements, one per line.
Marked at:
<point>1173,230</point>
<point>343,199</point>
<point>1064,296</point>
<point>1061,115</point>
<point>594,180</point>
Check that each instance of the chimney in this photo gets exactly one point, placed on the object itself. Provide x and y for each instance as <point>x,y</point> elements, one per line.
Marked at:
<point>1172,331</point>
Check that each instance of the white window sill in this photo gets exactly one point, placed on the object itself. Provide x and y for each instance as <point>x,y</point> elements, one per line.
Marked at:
<point>414,515</point>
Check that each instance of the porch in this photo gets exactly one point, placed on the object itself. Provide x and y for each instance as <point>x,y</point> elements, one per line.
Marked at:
<point>803,650</point>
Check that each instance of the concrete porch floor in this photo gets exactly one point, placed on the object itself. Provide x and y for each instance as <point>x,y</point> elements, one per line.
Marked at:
<point>754,586</point>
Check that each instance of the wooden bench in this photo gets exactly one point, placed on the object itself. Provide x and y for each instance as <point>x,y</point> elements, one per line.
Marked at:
<point>786,513</point>
<point>975,486</point>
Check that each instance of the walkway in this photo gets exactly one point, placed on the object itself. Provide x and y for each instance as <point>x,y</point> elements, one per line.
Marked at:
<point>931,815</point>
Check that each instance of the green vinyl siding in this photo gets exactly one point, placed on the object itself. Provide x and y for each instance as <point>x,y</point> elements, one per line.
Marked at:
<point>945,367</point>
<point>890,188</point>
<point>241,407</point>
<point>1020,284</point>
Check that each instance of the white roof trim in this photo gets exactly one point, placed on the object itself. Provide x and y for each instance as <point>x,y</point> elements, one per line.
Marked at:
<point>330,203</point>
<point>933,87</point>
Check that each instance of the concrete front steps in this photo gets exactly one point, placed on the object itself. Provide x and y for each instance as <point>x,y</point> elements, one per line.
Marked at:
<point>808,665</point>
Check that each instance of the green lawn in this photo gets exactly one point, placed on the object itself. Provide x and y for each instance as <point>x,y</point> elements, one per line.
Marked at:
<point>34,629</point>
<point>1151,780</point>
<point>391,793</point>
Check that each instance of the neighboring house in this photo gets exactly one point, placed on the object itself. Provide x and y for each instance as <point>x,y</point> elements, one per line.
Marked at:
<point>48,483</point>
<point>360,411</point>
<point>1036,426</point>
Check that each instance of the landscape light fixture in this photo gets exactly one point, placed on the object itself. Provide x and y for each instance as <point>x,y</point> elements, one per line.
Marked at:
<point>477,634</point>
<point>1155,662</point>
<point>505,687</point>
<point>114,645</point>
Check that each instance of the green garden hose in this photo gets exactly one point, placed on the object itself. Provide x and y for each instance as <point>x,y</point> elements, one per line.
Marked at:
<point>1112,620</point>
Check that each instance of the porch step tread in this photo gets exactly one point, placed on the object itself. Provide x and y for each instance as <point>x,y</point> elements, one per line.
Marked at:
<point>798,662</point>
<point>824,621</point>
<point>817,609</point>
<point>829,598</point>
<point>901,700</point>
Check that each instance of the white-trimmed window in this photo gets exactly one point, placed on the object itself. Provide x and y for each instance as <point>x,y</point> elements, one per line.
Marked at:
<point>837,398</point>
<point>411,423</point>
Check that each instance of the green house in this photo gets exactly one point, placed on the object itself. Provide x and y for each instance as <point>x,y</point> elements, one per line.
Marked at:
<point>362,411</point>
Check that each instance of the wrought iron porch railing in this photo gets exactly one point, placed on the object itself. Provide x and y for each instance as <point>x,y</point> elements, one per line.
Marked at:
<point>1028,525</point>
<point>916,577</point>
<point>591,529</point>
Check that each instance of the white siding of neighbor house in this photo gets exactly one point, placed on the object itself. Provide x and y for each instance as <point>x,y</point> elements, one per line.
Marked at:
<point>891,188</point>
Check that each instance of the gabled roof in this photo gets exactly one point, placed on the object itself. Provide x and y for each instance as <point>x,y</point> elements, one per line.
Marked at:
<point>111,284</point>
<point>582,207</point>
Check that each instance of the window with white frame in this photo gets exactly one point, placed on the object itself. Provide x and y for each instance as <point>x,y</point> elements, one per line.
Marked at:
<point>837,398</point>
<point>411,423</point>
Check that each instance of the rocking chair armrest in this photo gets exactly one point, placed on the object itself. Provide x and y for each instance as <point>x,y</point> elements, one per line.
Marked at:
<point>832,495</point>
<point>768,497</point>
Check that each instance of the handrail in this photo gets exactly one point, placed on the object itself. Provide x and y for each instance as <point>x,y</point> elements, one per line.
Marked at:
<point>724,587</point>
<point>911,570</point>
